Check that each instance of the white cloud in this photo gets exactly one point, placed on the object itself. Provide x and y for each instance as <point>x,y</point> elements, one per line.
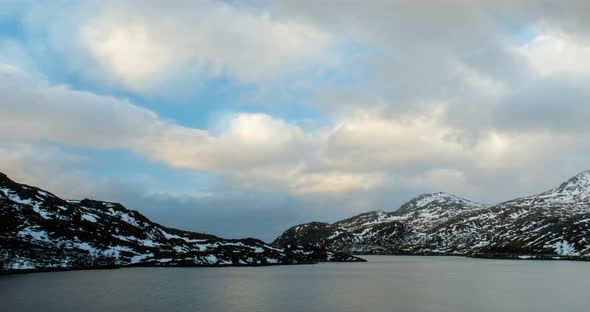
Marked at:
<point>361,151</point>
<point>249,141</point>
<point>51,168</point>
<point>143,45</point>
<point>558,53</point>
<point>33,109</point>
<point>369,140</point>
<point>334,182</point>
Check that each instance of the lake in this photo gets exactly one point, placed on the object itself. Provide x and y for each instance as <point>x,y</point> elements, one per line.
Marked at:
<point>385,283</point>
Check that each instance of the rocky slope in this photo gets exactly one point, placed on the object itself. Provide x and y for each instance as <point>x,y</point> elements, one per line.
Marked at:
<point>555,223</point>
<point>39,231</point>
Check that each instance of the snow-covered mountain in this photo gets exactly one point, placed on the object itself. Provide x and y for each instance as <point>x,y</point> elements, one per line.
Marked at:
<point>40,231</point>
<point>377,231</point>
<point>555,223</point>
<point>573,193</point>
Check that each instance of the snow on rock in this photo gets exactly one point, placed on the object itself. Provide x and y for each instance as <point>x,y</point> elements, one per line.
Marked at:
<point>210,259</point>
<point>439,200</point>
<point>45,232</point>
<point>551,223</point>
<point>574,192</point>
<point>139,258</point>
<point>89,218</point>
<point>33,234</point>
<point>563,248</point>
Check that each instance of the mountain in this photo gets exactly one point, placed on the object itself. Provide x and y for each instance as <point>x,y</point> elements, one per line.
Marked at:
<point>552,224</point>
<point>40,231</point>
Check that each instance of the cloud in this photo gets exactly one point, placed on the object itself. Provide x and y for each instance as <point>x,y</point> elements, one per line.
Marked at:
<point>50,167</point>
<point>361,151</point>
<point>558,54</point>
<point>416,56</point>
<point>558,105</point>
<point>34,109</point>
<point>334,182</point>
<point>145,45</point>
<point>249,140</point>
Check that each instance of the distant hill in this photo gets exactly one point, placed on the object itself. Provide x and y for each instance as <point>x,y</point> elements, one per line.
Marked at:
<point>553,224</point>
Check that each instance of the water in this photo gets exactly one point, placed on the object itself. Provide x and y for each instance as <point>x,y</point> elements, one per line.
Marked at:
<point>385,283</point>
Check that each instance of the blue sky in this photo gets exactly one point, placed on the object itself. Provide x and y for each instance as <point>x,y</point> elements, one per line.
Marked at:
<point>243,118</point>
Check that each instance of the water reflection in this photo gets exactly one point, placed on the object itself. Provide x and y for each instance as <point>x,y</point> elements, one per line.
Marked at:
<point>383,284</point>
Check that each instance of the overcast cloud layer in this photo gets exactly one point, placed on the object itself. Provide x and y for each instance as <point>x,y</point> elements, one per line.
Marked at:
<point>485,100</point>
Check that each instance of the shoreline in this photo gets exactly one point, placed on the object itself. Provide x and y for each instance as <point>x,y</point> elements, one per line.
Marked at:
<point>543,257</point>
<point>115,267</point>
<point>472,256</point>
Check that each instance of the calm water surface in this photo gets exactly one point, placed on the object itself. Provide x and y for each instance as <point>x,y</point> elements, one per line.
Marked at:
<point>385,283</point>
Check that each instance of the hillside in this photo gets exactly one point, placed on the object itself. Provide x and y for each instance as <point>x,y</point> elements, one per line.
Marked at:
<point>553,224</point>
<point>40,231</point>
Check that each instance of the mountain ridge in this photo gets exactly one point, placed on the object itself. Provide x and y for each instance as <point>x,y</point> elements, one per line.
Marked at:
<point>551,224</point>
<point>424,200</point>
<point>41,232</point>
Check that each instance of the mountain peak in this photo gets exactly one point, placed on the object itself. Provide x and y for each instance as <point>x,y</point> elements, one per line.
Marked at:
<point>581,180</point>
<point>439,199</point>
<point>4,178</point>
<point>575,189</point>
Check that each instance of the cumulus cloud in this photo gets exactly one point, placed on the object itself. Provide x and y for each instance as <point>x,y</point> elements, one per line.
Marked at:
<point>34,109</point>
<point>145,45</point>
<point>250,140</point>
<point>359,152</point>
<point>558,54</point>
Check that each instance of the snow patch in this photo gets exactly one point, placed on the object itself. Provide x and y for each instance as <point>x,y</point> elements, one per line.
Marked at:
<point>89,218</point>
<point>563,248</point>
<point>140,258</point>
<point>35,235</point>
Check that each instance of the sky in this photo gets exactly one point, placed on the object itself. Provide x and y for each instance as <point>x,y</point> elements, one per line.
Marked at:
<point>243,118</point>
